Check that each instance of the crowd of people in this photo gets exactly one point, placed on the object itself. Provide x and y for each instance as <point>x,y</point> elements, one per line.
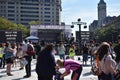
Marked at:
<point>47,66</point>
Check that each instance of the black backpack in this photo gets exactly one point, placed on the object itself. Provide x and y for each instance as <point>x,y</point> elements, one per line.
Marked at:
<point>57,76</point>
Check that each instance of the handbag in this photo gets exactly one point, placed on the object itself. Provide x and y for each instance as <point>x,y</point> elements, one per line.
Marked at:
<point>57,76</point>
<point>24,62</point>
<point>94,67</point>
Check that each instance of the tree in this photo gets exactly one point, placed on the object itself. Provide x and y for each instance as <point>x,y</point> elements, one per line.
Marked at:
<point>34,22</point>
<point>107,33</point>
<point>8,25</point>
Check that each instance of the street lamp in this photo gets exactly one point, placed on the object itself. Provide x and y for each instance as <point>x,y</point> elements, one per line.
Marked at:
<point>79,23</point>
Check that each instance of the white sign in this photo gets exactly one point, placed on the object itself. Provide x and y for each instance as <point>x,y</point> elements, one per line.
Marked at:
<point>47,27</point>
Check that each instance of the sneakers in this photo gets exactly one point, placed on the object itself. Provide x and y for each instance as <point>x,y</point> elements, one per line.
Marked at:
<point>26,76</point>
<point>21,68</point>
<point>9,74</point>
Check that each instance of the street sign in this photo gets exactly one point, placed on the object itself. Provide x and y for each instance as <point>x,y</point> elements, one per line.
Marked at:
<point>82,23</point>
<point>10,36</point>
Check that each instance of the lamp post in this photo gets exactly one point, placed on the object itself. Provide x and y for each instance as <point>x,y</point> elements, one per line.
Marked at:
<point>79,23</point>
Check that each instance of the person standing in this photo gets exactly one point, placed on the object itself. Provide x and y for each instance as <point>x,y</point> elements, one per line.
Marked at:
<point>9,57</point>
<point>1,55</point>
<point>72,51</point>
<point>2,64</point>
<point>42,45</point>
<point>37,49</point>
<point>61,51</point>
<point>92,51</point>
<point>45,67</point>
<point>85,51</point>
<point>20,55</point>
<point>28,58</point>
<point>14,47</point>
<point>117,50</point>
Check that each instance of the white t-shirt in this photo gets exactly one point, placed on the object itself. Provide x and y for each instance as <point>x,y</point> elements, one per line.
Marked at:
<point>107,64</point>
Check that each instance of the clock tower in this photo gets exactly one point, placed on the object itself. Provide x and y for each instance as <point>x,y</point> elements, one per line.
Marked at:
<point>101,12</point>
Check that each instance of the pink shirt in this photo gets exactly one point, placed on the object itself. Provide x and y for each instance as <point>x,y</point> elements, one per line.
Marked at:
<point>71,64</point>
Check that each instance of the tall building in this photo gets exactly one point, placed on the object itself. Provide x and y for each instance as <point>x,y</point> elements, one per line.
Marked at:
<point>101,12</point>
<point>48,12</point>
<point>103,19</point>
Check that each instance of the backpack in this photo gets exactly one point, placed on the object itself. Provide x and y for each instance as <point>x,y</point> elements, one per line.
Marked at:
<point>57,76</point>
<point>30,50</point>
<point>94,67</point>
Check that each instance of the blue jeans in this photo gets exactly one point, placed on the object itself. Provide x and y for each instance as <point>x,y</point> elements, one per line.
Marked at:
<point>62,56</point>
<point>104,76</point>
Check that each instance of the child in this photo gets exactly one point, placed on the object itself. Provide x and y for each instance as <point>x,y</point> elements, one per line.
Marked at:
<point>70,64</point>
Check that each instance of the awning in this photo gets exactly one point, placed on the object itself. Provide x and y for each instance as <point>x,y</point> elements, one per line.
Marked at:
<point>32,38</point>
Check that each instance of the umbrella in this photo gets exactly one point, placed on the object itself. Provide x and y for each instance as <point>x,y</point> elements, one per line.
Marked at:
<point>32,38</point>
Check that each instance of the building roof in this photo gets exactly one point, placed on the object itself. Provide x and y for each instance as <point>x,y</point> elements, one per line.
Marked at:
<point>102,2</point>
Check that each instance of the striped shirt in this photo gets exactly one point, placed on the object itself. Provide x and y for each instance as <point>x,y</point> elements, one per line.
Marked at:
<point>71,64</point>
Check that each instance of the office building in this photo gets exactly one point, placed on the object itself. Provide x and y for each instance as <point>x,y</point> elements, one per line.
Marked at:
<point>46,12</point>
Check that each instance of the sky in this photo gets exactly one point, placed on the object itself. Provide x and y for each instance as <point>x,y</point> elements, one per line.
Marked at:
<point>86,10</point>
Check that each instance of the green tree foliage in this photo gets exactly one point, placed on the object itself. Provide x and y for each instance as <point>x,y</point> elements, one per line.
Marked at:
<point>34,22</point>
<point>7,25</point>
<point>107,33</point>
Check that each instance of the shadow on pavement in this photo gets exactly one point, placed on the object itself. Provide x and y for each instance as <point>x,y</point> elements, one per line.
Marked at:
<point>18,79</point>
<point>33,70</point>
<point>2,76</point>
<point>87,65</point>
<point>4,71</point>
<point>87,74</point>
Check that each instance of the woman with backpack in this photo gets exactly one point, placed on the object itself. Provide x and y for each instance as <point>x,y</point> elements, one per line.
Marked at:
<point>107,65</point>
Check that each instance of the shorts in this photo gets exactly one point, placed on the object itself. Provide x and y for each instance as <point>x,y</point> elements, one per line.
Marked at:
<point>9,60</point>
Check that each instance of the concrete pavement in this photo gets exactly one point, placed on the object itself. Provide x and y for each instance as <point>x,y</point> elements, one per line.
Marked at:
<point>18,74</point>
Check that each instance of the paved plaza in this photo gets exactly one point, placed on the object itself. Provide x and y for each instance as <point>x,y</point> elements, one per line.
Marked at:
<point>18,74</point>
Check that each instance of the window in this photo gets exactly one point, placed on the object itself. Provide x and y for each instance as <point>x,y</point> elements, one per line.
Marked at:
<point>11,11</point>
<point>47,0</point>
<point>47,23</point>
<point>47,16</point>
<point>47,4</point>
<point>47,20</point>
<point>10,2</point>
<point>11,7</point>
<point>29,16</point>
<point>30,8</point>
<point>11,15</point>
<point>29,12</point>
<point>12,19</point>
<point>29,4</point>
<point>47,12</point>
<point>47,8</point>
